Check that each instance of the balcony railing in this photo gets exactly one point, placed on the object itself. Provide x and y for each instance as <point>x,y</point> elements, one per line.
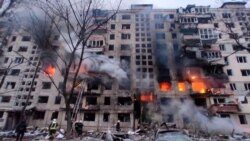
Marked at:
<point>225,108</point>
<point>94,49</point>
<point>220,92</point>
<point>191,39</point>
<point>91,108</point>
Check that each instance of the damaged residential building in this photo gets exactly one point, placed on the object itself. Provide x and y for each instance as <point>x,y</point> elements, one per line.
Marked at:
<point>195,52</point>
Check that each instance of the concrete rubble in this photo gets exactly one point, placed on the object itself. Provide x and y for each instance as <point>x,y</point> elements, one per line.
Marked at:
<point>147,134</point>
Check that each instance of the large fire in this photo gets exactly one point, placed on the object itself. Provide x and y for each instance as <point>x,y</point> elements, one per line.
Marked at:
<point>165,86</point>
<point>181,86</point>
<point>147,97</point>
<point>50,70</point>
<point>199,87</point>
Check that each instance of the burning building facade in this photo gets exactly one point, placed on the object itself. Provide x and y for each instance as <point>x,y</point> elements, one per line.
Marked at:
<point>168,55</point>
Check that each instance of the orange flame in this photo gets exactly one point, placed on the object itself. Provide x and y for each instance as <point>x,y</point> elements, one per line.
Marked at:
<point>165,86</point>
<point>199,87</point>
<point>147,97</point>
<point>181,87</point>
<point>50,70</point>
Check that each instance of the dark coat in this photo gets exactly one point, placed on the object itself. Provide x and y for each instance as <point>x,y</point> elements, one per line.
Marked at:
<point>78,126</point>
<point>21,128</point>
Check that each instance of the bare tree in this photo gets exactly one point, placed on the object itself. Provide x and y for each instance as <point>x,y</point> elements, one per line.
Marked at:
<point>75,22</point>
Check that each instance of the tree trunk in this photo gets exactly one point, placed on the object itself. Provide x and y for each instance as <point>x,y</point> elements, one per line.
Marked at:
<point>68,116</point>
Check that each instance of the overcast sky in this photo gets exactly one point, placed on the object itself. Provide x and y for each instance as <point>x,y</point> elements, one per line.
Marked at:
<point>176,3</point>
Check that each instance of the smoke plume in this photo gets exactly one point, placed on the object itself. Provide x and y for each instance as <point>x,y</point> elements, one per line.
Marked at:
<point>198,118</point>
<point>100,64</point>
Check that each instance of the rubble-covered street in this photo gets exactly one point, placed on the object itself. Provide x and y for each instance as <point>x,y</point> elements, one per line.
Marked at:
<point>161,134</point>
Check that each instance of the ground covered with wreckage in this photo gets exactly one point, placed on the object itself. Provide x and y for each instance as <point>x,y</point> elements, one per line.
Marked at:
<point>163,133</point>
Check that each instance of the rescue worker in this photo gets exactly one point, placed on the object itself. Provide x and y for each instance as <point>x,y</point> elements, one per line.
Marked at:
<point>53,128</point>
<point>79,128</point>
<point>20,130</point>
<point>118,126</point>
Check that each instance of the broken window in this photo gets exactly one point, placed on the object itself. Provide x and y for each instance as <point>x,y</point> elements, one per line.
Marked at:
<point>10,85</point>
<point>126,17</point>
<point>54,115</point>
<point>219,100</point>
<point>108,86</point>
<point>125,47</point>
<point>242,119</point>
<point>26,38</point>
<point>89,117</point>
<point>43,99</point>
<point>125,26</point>
<point>13,38</point>
<point>174,36</point>
<point>111,47</point>
<point>93,86</point>
<point>216,25</point>
<point>159,25</point>
<point>200,102</point>
<point>160,35</point>
<point>6,99</point>
<point>23,49</point>
<point>229,72</point>
<point>158,16</point>
<point>233,35</point>
<point>230,25</point>
<point>6,60</point>
<point>171,16</point>
<point>124,117</point>
<point>224,115</point>
<point>39,115</point>
<point>57,99</point>
<point>46,85</point>
<point>106,117</point>
<point>124,100</point>
<point>91,100</point>
<point>15,72</point>
<point>112,26</point>
<point>106,100</point>
<point>125,36</point>
<point>10,49</point>
<point>226,15</point>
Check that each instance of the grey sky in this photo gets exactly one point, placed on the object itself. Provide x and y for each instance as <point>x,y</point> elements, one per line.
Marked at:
<point>176,3</point>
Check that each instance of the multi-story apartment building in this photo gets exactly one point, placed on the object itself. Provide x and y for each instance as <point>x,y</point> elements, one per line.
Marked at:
<point>197,51</point>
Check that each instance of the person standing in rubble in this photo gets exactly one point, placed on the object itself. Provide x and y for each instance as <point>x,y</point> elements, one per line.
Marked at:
<point>118,126</point>
<point>79,128</point>
<point>20,130</point>
<point>53,128</point>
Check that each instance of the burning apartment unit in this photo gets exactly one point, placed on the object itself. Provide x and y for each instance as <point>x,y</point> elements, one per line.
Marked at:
<point>19,61</point>
<point>167,55</point>
<point>215,43</point>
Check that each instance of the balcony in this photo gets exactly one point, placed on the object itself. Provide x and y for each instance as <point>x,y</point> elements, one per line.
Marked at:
<point>90,108</point>
<point>191,39</point>
<point>94,49</point>
<point>210,55</point>
<point>224,108</point>
<point>90,93</point>
<point>219,92</point>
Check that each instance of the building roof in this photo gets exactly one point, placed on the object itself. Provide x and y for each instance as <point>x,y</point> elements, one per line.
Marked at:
<point>233,3</point>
